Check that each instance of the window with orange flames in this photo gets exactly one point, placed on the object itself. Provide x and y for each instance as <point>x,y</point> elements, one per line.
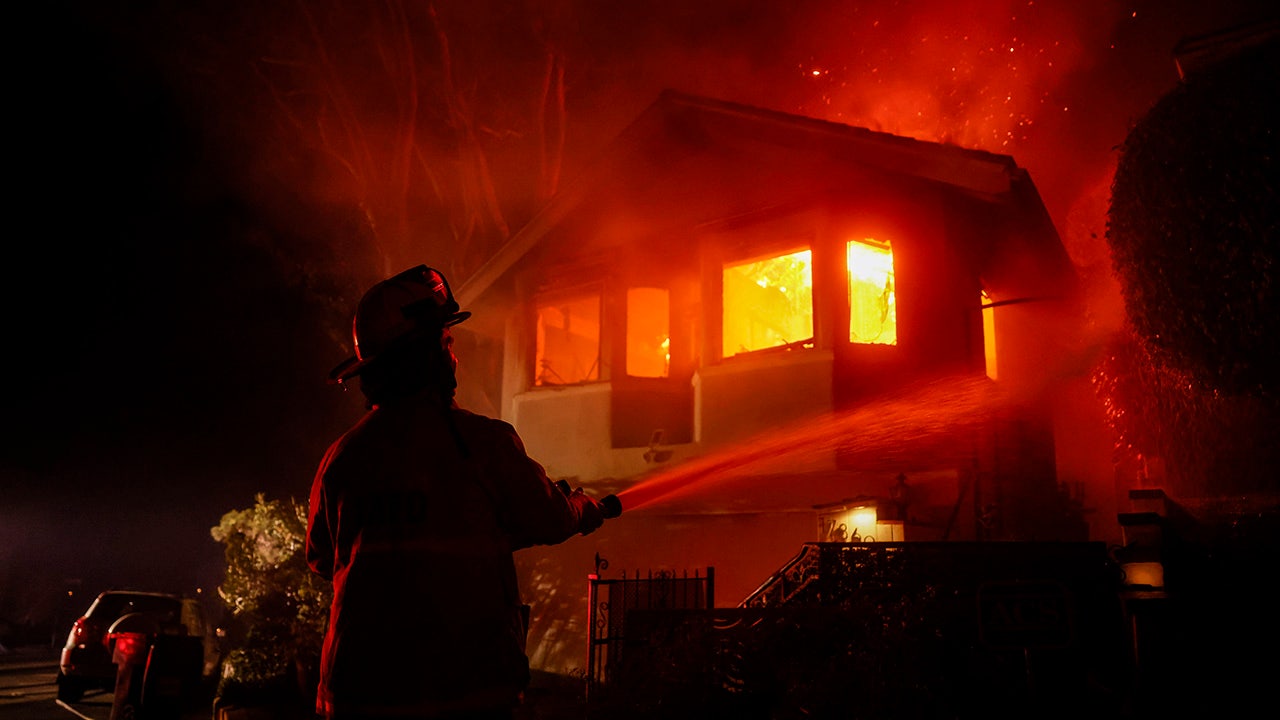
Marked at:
<point>568,341</point>
<point>768,303</point>
<point>648,332</point>
<point>989,335</point>
<point>873,312</point>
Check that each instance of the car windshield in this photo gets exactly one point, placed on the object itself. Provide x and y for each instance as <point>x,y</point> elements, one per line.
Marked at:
<point>115,605</point>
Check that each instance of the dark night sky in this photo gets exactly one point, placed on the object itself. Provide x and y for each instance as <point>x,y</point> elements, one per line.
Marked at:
<point>182,281</point>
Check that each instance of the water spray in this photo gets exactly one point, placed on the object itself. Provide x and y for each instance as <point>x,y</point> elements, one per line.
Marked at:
<point>892,431</point>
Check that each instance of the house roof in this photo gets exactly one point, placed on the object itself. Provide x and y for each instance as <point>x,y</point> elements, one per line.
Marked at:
<point>678,123</point>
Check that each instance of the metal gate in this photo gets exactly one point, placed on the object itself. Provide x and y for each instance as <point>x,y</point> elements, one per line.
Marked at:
<point>610,600</point>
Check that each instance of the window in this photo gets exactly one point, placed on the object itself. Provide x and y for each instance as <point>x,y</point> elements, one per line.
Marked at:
<point>568,341</point>
<point>768,303</point>
<point>989,334</point>
<point>648,332</point>
<point>873,312</point>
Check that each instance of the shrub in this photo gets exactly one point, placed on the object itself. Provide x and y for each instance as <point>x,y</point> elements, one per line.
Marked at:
<point>279,608</point>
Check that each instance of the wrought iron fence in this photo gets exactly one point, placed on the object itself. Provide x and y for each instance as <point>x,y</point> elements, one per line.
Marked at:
<point>610,601</point>
<point>886,631</point>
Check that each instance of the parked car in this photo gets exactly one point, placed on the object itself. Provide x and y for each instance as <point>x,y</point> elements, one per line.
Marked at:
<point>86,661</point>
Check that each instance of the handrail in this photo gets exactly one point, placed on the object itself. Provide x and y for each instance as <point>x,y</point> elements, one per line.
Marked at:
<point>782,575</point>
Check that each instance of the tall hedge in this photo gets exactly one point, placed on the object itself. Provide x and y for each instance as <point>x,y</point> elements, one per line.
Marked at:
<point>1194,232</point>
<point>1194,224</point>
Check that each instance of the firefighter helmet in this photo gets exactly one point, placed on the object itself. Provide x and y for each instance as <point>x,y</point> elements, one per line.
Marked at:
<point>407,305</point>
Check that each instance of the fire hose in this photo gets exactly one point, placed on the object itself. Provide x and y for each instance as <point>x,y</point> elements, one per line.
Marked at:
<point>610,505</point>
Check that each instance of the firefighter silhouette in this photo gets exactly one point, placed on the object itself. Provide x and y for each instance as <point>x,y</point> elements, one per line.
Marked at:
<point>414,514</point>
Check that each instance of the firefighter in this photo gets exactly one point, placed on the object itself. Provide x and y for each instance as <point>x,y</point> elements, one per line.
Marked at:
<point>414,515</point>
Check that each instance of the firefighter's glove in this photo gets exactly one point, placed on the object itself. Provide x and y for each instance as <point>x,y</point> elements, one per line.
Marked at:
<point>590,516</point>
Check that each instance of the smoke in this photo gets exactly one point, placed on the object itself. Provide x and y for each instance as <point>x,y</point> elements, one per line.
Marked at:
<point>442,126</point>
<point>371,137</point>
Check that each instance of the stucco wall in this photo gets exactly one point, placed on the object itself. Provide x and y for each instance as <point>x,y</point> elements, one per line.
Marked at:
<point>744,396</point>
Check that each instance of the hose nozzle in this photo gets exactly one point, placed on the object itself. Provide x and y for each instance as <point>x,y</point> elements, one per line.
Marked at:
<point>610,506</point>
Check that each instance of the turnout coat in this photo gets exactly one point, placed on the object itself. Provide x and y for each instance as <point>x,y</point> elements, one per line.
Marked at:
<point>414,515</point>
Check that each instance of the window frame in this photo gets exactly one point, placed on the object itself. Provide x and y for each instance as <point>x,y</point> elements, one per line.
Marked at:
<point>551,297</point>
<point>848,294</point>
<point>800,242</point>
<point>626,329</point>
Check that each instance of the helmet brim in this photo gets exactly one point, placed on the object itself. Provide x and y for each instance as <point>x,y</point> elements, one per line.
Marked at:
<point>353,366</point>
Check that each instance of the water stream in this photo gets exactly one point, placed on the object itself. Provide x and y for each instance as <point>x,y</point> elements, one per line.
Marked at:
<point>932,421</point>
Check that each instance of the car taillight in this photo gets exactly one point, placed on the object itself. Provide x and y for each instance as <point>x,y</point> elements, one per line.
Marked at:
<point>130,648</point>
<point>86,631</point>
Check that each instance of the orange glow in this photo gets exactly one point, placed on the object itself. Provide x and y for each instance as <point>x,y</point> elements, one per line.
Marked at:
<point>846,523</point>
<point>989,335</point>
<point>568,341</point>
<point>1143,573</point>
<point>648,332</point>
<point>768,303</point>
<point>873,311</point>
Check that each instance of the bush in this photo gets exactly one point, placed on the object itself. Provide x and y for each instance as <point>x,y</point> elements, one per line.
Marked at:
<point>279,608</point>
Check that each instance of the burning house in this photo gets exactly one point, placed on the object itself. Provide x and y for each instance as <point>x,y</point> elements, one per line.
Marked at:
<point>762,330</point>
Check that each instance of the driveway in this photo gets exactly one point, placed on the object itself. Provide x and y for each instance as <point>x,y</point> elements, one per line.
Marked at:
<point>29,690</point>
